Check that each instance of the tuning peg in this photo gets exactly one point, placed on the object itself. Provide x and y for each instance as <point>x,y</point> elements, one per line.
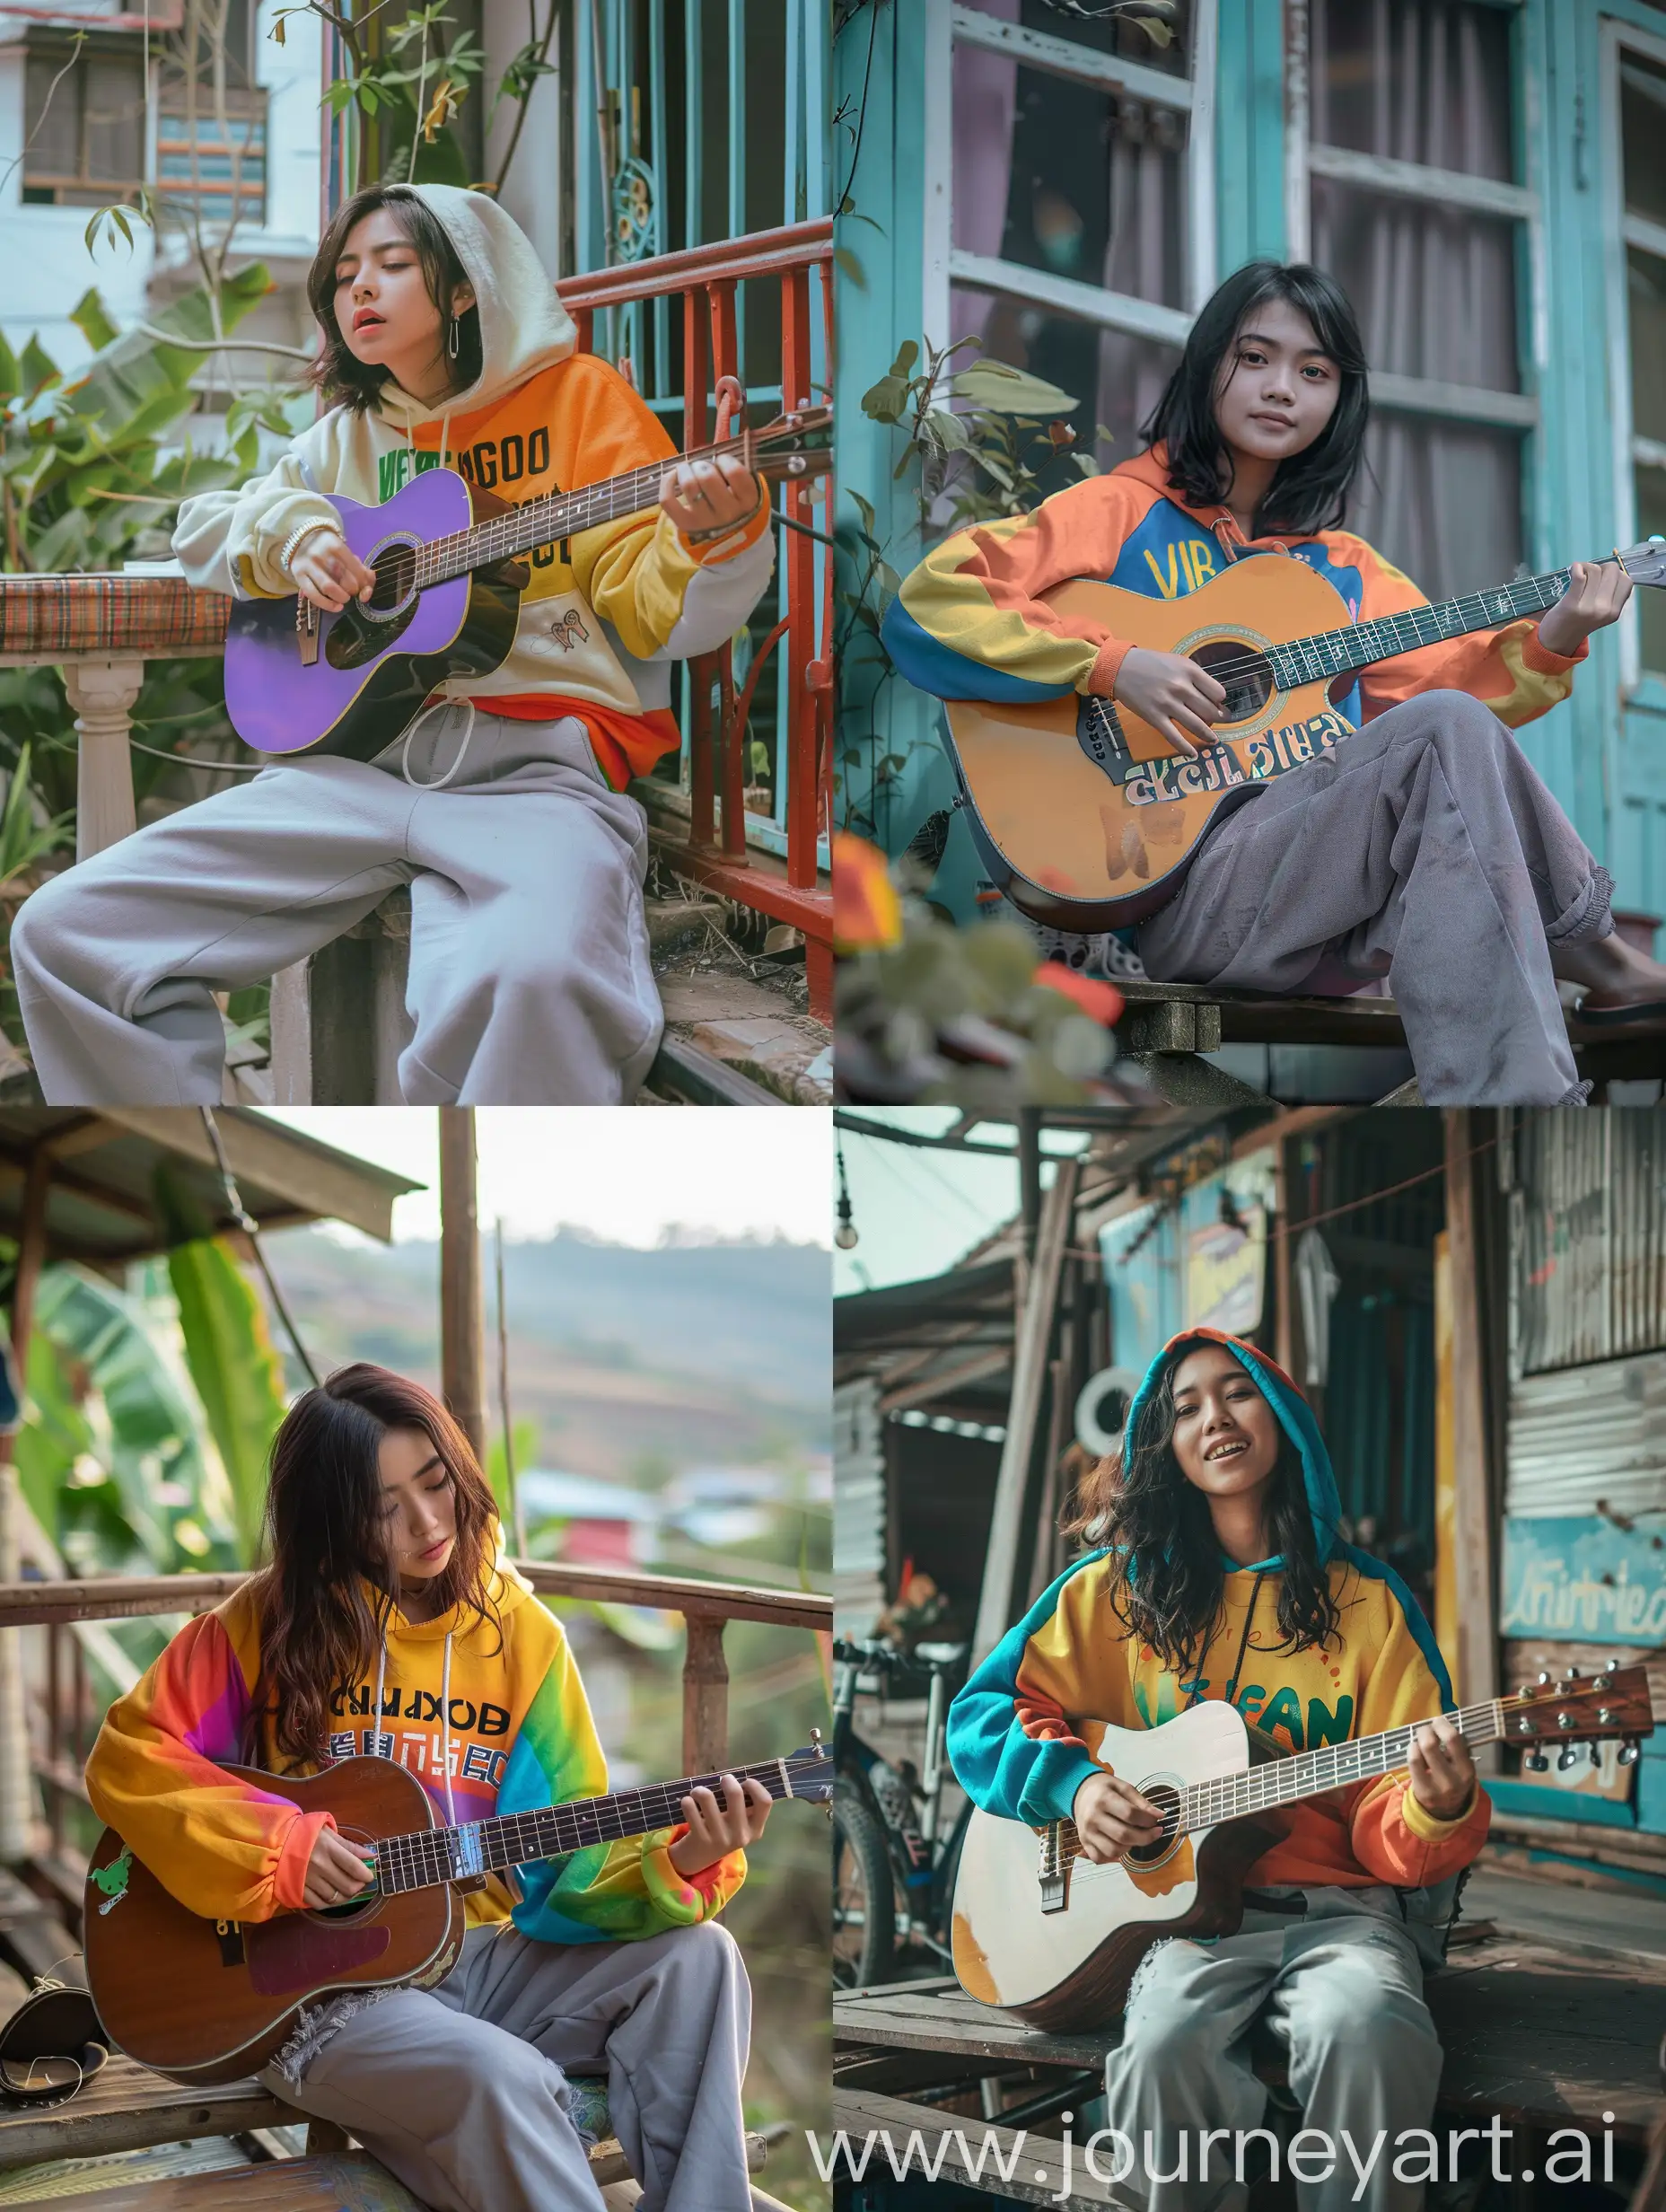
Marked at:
<point>1567,1756</point>
<point>1596,1755</point>
<point>1536,1762</point>
<point>1544,1680</point>
<point>1628,1753</point>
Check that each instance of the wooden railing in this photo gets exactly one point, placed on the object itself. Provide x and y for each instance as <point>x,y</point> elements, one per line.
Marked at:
<point>110,624</point>
<point>72,1721</point>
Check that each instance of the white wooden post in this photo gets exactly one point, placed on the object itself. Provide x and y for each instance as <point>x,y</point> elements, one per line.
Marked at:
<point>102,693</point>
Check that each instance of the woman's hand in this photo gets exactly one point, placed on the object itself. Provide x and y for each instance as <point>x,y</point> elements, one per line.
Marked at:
<point>709,494</point>
<point>1443,1773</point>
<point>337,1871</point>
<point>1112,1817</point>
<point>1171,693</point>
<point>325,573</point>
<point>716,1830</point>
<point>1593,600</point>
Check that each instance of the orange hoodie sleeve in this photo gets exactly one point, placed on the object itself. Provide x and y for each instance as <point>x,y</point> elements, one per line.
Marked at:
<point>1391,1835</point>
<point>636,571</point>
<point>154,1776</point>
<point>1507,669</point>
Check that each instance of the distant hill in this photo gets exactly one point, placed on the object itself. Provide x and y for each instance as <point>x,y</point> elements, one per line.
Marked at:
<point>695,1353</point>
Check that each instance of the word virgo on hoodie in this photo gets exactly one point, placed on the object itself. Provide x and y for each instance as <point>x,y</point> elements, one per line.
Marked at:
<point>447,551</point>
<point>1087,818</point>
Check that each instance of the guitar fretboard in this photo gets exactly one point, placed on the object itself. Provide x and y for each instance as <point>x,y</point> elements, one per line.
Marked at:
<point>1332,653</point>
<point>431,1855</point>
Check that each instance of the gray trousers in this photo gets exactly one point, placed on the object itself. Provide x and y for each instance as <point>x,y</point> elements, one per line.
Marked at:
<point>1424,848</point>
<point>462,2092</point>
<point>530,981</point>
<point>1341,1990</point>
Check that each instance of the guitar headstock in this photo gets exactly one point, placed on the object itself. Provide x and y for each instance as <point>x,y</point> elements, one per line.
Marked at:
<point>798,443</point>
<point>812,1769</point>
<point>1609,1705</point>
<point>1646,563</point>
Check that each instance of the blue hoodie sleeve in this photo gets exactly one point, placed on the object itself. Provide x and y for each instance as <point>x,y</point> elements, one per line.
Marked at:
<point>1014,1749</point>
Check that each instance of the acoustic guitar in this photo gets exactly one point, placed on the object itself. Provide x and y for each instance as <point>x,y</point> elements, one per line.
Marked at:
<point>206,2000</point>
<point>1087,818</point>
<point>447,598</point>
<point>1043,1931</point>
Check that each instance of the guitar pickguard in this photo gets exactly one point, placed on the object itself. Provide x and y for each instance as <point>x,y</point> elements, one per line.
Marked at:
<point>294,1951</point>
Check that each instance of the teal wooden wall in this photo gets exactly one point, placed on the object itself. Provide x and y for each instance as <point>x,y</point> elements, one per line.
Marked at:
<point>1604,756</point>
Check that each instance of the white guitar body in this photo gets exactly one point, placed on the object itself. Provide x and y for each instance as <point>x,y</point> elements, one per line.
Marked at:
<point>1055,1938</point>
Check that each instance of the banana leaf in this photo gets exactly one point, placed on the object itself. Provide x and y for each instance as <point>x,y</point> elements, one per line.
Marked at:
<point>237,1372</point>
<point>141,384</point>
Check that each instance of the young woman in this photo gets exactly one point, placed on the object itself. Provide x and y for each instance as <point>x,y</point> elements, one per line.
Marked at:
<point>1424,847</point>
<point>388,1622</point>
<point>505,805</point>
<point>1220,1574</point>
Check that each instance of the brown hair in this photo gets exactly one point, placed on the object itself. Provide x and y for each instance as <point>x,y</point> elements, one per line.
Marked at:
<point>338,372</point>
<point>319,1630</point>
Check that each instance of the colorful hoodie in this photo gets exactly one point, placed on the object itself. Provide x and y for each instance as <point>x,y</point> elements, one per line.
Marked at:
<point>521,1737</point>
<point>604,615</point>
<point>1022,1732</point>
<point>969,622</point>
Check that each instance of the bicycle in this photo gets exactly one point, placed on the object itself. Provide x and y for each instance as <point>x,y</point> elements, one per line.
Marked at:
<point>893,1873</point>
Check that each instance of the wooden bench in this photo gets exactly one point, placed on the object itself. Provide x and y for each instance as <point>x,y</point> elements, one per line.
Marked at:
<point>1169,1027</point>
<point>1542,2037</point>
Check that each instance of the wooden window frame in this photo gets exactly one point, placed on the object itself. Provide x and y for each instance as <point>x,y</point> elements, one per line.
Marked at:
<point>58,52</point>
<point>1619,230</point>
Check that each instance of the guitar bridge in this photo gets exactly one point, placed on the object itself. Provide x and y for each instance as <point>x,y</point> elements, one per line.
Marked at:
<point>306,631</point>
<point>1052,1876</point>
<point>1100,735</point>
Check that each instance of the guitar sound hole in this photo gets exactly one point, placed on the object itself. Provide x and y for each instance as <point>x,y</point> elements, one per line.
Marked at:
<point>1244,673</point>
<point>354,640</point>
<point>1167,1800</point>
<point>395,570</point>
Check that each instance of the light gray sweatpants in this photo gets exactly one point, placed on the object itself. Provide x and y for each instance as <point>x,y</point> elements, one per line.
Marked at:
<point>1342,1990</point>
<point>1424,848</point>
<point>530,981</point>
<point>462,2091</point>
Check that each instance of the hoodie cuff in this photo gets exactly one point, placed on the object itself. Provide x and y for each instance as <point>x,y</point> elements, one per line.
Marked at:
<point>714,551</point>
<point>1540,658</point>
<point>1426,1826</point>
<point>674,1896</point>
<point>1101,682</point>
<point>289,1877</point>
<point>1059,1772</point>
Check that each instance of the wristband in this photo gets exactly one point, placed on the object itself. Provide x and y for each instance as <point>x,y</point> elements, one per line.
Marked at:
<point>295,540</point>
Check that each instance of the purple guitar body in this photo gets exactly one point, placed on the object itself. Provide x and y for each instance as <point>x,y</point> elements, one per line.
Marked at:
<point>356,679</point>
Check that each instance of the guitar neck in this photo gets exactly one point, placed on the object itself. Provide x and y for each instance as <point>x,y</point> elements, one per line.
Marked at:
<point>1311,1773</point>
<point>432,1856</point>
<point>1333,653</point>
<point>559,515</point>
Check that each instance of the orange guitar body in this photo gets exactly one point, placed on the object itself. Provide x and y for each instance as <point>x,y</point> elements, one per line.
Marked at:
<point>1089,844</point>
<point>212,2000</point>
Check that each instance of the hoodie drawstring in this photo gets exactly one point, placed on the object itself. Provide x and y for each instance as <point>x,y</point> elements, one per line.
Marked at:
<point>433,707</point>
<point>445,1714</point>
<point>1230,1691</point>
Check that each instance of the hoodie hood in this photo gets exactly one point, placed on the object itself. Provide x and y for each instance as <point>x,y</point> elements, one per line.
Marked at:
<point>1150,467</point>
<point>1290,1409</point>
<point>523,326</point>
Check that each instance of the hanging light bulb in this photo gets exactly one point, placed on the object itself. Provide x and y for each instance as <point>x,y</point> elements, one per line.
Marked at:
<point>846,1236</point>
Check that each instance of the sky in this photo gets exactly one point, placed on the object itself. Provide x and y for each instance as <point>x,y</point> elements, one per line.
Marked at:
<point>627,1177</point>
<point>915,1212</point>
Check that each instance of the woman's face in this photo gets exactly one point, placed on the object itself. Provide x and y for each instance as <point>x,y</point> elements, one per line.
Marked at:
<point>418,1505</point>
<point>383,306</point>
<point>1226,1437</point>
<point>1276,388</point>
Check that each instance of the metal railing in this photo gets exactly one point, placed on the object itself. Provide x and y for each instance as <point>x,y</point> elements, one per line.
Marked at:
<point>103,631</point>
<point>69,1719</point>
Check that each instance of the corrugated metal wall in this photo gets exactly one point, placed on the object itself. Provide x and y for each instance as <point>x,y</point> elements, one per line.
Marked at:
<point>1589,1224</point>
<point>858,1507</point>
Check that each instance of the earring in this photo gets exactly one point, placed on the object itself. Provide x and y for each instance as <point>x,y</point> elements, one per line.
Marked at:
<point>451,343</point>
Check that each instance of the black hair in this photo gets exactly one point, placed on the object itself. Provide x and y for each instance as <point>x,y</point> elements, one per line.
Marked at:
<point>1164,1556</point>
<point>338,372</point>
<point>1310,490</point>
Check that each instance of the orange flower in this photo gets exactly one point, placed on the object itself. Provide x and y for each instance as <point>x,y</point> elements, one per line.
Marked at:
<point>866,909</point>
<point>1102,1001</point>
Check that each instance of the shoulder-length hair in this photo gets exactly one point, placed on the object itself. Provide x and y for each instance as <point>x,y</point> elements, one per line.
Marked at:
<point>1164,1557</point>
<point>338,372</point>
<point>1310,491</point>
<point>319,1630</point>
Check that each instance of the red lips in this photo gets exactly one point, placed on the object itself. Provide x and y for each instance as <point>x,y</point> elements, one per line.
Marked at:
<point>365,315</point>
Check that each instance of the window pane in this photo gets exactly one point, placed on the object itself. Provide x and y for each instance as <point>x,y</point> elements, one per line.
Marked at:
<point>1434,287</point>
<point>1442,501</point>
<point>1114,379</point>
<point>1651,605</point>
<point>1647,306</point>
<point>1417,80</point>
<point>1106,34</point>
<point>1643,135</point>
<point>1063,176</point>
<point>52,114</point>
<point>115,117</point>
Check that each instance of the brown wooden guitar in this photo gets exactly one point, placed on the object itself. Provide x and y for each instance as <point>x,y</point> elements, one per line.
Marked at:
<point>1087,818</point>
<point>1040,1929</point>
<point>211,2000</point>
